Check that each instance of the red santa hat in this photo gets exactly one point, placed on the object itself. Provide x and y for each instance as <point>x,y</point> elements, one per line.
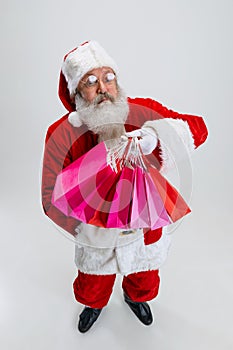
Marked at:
<point>84,58</point>
<point>77,63</point>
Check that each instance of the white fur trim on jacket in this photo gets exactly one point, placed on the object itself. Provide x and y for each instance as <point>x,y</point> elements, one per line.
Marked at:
<point>176,140</point>
<point>83,59</point>
<point>128,253</point>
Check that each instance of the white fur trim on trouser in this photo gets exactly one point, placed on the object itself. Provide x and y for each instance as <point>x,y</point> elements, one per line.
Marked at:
<point>125,259</point>
<point>176,140</point>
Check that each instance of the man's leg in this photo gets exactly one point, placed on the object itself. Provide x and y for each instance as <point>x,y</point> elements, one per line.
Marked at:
<point>93,291</point>
<point>142,286</point>
<point>138,288</point>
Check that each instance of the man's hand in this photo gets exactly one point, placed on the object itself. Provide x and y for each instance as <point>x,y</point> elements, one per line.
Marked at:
<point>148,141</point>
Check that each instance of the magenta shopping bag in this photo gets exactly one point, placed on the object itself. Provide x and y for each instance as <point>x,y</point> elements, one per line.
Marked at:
<point>117,188</point>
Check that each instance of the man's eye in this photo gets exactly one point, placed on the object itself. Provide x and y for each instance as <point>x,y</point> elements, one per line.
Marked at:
<point>91,80</point>
<point>110,76</point>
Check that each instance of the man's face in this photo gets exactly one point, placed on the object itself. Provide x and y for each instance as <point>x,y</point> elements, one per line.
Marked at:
<point>100,102</point>
<point>98,81</point>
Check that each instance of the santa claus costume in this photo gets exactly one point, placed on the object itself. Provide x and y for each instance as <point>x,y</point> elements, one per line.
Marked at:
<point>101,253</point>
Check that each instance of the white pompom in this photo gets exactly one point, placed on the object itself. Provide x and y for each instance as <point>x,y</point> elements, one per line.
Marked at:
<point>74,119</point>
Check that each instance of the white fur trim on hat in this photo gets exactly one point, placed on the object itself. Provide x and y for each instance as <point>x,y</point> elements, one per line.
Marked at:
<point>83,59</point>
<point>74,119</point>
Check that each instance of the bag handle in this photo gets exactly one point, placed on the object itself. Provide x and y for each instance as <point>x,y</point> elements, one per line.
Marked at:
<point>128,153</point>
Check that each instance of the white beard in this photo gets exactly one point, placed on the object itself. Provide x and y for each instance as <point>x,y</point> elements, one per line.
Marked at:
<point>107,118</point>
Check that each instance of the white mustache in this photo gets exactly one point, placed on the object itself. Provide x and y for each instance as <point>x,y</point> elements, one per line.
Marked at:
<point>103,96</point>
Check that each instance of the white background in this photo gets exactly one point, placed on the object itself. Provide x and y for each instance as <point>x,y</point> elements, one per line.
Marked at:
<point>178,52</point>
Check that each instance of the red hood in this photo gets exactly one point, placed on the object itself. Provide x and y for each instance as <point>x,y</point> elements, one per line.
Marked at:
<point>64,94</point>
<point>63,91</point>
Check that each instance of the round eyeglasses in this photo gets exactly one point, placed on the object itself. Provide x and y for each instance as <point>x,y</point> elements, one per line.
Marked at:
<point>92,81</point>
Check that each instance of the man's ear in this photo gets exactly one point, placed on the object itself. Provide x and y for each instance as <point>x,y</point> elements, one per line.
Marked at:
<point>72,97</point>
<point>77,92</point>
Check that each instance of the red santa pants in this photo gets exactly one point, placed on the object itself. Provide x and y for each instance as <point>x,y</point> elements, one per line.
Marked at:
<point>95,290</point>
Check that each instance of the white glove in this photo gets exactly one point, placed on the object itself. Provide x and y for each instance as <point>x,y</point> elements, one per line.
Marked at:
<point>148,140</point>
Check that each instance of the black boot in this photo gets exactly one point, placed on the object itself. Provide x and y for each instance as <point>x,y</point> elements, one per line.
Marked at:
<point>87,318</point>
<point>141,310</point>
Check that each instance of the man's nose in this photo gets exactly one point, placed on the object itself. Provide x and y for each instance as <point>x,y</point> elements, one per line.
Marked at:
<point>101,86</point>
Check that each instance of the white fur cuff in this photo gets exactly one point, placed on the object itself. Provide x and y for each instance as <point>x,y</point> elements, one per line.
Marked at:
<point>176,140</point>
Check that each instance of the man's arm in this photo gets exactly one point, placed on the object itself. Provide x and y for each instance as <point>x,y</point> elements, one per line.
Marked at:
<point>56,157</point>
<point>178,134</point>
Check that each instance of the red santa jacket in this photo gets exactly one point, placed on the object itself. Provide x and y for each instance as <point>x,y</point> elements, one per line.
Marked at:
<point>65,143</point>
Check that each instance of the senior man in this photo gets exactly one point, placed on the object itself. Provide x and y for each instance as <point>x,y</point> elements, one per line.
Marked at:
<point>99,110</point>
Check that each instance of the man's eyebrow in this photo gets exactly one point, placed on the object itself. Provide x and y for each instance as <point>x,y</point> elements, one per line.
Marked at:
<point>89,74</point>
<point>106,70</point>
